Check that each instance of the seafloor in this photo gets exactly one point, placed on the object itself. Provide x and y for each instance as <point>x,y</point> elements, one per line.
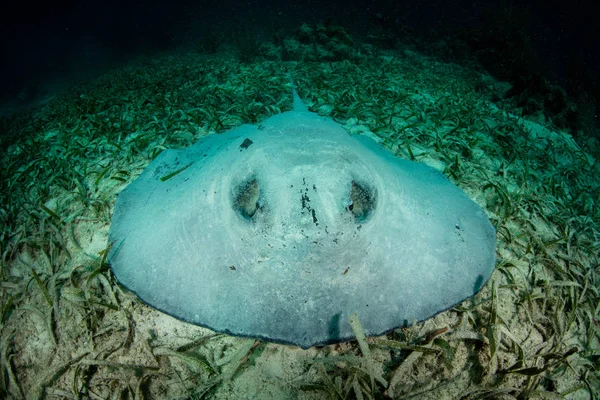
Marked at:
<point>68,330</point>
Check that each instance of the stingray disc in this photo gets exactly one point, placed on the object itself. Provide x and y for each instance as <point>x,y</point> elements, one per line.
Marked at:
<point>282,232</point>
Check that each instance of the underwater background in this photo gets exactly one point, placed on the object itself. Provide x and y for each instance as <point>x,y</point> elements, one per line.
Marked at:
<point>502,97</point>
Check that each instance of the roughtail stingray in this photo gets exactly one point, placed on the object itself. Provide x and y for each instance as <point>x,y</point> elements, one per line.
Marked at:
<point>282,231</point>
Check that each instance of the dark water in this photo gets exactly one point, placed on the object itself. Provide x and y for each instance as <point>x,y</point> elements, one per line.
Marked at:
<point>49,46</point>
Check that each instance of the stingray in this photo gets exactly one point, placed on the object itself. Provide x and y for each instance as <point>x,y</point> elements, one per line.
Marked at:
<point>282,231</point>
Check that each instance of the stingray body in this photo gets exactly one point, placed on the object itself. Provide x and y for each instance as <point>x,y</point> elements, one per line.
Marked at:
<point>281,231</point>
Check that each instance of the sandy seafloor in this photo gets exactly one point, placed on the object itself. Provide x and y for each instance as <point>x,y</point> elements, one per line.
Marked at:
<point>68,330</point>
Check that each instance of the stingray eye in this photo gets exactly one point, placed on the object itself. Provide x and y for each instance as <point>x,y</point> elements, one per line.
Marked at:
<point>362,201</point>
<point>246,198</point>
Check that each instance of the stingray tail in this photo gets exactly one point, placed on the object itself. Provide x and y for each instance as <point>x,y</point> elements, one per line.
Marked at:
<point>299,105</point>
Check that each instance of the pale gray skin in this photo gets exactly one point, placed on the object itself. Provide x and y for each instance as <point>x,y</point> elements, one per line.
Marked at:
<point>281,231</point>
